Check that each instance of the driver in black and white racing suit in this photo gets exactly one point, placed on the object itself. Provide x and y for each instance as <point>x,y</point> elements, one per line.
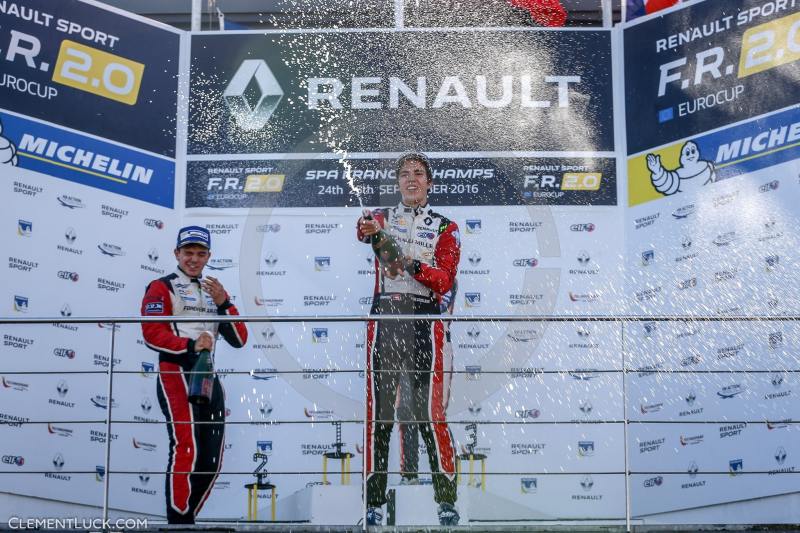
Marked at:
<point>431,244</point>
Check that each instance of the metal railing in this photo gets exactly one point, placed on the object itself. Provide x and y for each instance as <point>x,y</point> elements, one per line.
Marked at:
<point>623,370</point>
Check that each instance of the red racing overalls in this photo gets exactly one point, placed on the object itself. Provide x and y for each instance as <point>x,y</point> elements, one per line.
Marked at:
<point>195,450</point>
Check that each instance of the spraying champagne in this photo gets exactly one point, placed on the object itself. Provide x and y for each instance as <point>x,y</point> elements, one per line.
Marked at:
<point>386,248</point>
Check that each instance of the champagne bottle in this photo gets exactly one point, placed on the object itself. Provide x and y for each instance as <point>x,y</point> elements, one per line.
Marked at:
<point>201,387</point>
<point>385,246</point>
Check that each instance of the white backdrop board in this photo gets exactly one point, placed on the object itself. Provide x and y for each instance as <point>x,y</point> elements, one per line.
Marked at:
<point>288,133</point>
<point>713,190</point>
<point>88,147</point>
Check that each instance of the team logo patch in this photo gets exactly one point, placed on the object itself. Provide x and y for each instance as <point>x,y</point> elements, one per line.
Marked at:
<point>154,308</point>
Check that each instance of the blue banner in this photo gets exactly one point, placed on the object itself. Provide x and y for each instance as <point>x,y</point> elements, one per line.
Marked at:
<point>87,68</point>
<point>74,157</point>
<point>706,66</point>
<point>342,183</point>
<point>759,144</point>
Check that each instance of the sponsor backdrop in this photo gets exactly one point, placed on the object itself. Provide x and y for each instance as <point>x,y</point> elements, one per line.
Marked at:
<point>386,91</point>
<point>290,133</point>
<point>712,131</point>
<point>88,149</point>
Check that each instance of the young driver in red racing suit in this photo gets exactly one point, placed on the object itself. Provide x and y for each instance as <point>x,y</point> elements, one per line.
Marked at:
<point>195,450</point>
<point>431,244</point>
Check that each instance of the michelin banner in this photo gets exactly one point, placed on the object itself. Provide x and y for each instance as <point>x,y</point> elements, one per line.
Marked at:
<point>75,65</point>
<point>713,132</point>
<point>85,101</point>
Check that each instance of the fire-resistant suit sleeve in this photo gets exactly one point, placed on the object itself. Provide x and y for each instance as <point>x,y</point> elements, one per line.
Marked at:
<point>233,332</point>
<point>439,277</point>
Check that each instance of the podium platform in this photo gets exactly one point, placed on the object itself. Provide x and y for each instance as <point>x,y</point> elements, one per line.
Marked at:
<point>320,504</point>
<point>413,505</point>
<point>409,505</point>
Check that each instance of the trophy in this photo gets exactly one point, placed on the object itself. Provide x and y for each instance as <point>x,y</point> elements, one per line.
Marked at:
<point>337,453</point>
<point>261,483</point>
<point>470,455</point>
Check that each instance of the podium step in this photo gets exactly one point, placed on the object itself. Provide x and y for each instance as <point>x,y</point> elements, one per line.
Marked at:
<point>413,505</point>
<point>409,505</point>
<point>319,504</point>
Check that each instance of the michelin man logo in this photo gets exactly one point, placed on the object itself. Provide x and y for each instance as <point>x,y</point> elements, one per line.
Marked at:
<point>253,95</point>
<point>691,167</point>
<point>8,152</point>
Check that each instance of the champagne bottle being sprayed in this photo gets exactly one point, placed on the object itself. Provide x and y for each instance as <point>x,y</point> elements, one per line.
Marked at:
<point>201,384</point>
<point>385,246</point>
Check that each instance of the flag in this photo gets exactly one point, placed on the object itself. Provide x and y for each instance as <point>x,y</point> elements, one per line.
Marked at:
<point>640,8</point>
<point>543,12</point>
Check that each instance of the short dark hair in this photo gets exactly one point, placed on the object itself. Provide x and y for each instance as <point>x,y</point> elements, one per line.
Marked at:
<point>414,156</point>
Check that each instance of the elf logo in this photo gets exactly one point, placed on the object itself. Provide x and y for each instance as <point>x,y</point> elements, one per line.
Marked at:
<point>16,460</point>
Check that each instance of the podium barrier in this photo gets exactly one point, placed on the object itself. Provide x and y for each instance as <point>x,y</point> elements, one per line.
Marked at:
<point>471,456</point>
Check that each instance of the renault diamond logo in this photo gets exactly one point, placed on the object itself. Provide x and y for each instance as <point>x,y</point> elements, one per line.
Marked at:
<point>780,455</point>
<point>253,94</point>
